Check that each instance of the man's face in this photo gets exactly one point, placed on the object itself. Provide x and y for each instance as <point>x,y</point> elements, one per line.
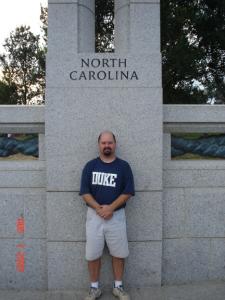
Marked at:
<point>107,145</point>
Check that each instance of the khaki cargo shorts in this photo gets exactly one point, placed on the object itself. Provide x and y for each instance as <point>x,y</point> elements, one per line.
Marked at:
<point>113,232</point>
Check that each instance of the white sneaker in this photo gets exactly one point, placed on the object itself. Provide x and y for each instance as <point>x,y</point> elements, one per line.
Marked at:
<point>120,293</point>
<point>94,293</point>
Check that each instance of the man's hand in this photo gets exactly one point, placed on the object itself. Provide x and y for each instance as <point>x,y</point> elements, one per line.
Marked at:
<point>105,211</point>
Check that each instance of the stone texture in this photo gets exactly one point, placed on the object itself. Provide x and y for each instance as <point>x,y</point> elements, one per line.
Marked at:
<point>198,291</point>
<point>69,259</point>
<point>30,205</point>
<point>62,32</point>
<point>201,164</point>
<point>121,25</point>
<point>131,130</point>
<point>195,260</point>
<point>66,213</point>
<point>16,179</point>
<point>144,19</point>
<point>204,210</point>
<point>20,165</point>
<point>67,217</point>
<point>193,113</point>
<point>22,114</point>
<point>144,260</point>
<point>86,25</point>
<point>58,75</point>
<point>166,147</point>
<point>173,213</point>
<point>66,265</point>
<point>35,274</point>
<point>35,216</point>
<point>144,217</point>
<point>194,178</point>
<point>41,150</point>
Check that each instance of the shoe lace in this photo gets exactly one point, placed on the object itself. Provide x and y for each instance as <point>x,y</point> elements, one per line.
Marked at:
<point>120,288</point>
<point>92,291</point>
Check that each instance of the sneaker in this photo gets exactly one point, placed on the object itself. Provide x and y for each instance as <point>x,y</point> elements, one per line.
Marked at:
<point>93,294</point>
<point>120,293</point>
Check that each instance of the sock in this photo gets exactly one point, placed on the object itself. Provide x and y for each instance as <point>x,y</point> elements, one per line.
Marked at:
<point>94,284</point>
<point>117,283</point>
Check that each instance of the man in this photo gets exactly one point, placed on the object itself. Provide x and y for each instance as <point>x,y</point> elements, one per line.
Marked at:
<point>106,185</point>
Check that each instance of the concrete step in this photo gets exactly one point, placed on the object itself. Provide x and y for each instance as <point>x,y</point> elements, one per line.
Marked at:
<point>201,291</point>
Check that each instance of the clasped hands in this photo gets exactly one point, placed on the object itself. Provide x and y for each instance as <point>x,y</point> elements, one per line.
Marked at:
<point>105,211</point>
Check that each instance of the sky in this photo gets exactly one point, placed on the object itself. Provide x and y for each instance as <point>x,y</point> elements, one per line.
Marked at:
<point>14,13</point>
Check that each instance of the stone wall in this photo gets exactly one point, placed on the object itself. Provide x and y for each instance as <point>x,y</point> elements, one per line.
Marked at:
<point>23,194</point>
<point>193,202</point>
<point>191,217</point>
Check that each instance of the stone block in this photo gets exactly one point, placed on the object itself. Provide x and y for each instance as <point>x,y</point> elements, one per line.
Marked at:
<point>66,213</point>
<point>19,179</point>
<point>22,203</point>
<point>64,167</point>
<point>86,25</point>
<point>185,260</point>
<point>35,272</point>
<point>102,70</point>
<point>67,217</point>
<point>193,178</point>
<point>144,217</point>
<point>216,263</point>
<point>35,216</point>
<point>41,144</point>
<point>202,164</point>
<point>173,213</point>
<point>121,26</point>
<point>145,259</point>
<point>11,208</point>
<point>62,32</point>
<point>143,268</point>
<point>20,165</point>
<point>67,268</point>
<point>204,211</point>
<point>144,18</point>
<point>193,113</point>
<point>22,114</point>
<point>166,147</point>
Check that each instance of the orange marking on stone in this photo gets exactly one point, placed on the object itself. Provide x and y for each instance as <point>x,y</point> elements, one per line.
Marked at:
<point>20,246</point>
<point>20,225</point>
<point>20,261</point>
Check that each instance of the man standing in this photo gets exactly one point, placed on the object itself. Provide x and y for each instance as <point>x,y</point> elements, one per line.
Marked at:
<point>106,185</point>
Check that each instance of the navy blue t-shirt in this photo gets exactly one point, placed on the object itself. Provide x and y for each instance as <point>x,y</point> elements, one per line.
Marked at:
<point>107,181</point>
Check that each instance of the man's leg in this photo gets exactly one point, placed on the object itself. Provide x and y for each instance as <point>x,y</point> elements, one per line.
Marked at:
<point>118,268</point>
<point>94,267</point>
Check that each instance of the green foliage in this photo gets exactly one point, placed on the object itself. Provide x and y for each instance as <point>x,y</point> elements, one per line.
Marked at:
<point>8,94</point>
<point>104,27</point>
<point>193,50</point>
<point>23,63</point>
<point>20,63</point>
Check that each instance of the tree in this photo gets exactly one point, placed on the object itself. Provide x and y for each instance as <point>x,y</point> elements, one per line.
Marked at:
<point>104,27</point>
<point>193,50</point>
<point>21,63</point>
<point>8,94</point>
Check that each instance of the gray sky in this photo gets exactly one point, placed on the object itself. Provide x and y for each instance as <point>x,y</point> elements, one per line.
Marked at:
<point>14,13</point>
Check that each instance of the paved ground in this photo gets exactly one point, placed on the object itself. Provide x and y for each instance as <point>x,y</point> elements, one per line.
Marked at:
<point>203,291</point>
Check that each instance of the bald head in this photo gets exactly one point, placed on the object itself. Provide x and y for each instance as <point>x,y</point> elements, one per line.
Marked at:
<point>106,133</point>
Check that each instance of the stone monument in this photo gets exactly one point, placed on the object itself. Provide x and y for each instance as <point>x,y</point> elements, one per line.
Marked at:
<point>88,92</point>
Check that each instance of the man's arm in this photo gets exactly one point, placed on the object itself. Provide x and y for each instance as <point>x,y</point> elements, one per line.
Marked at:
<point>89,199</point>
<point>106,211</point>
